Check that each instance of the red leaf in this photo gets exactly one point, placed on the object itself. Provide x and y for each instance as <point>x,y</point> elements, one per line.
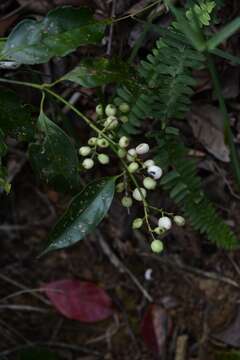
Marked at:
<point>156,326</point>
<point>79,300</point>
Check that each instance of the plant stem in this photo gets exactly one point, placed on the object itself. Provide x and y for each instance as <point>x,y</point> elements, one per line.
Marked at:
<point>226,122</point>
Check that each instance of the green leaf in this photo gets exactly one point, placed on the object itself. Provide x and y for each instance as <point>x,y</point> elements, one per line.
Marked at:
<point>37,354</point>
<point>55,160</point>
<point>223,34</point>
<point>85,212</point>
<point>97,72</point>
<point>15,118</point>
<point>58,34</point>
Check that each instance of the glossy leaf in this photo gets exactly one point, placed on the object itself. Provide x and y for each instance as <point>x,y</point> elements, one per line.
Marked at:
<point>58,34</point>
<point>55,160</point>
<point>97,72</point>
<point>85,212</point>
<point>156,326</point>
<point>37,354</point>
<point>79,300</point>
<point>15,118</point>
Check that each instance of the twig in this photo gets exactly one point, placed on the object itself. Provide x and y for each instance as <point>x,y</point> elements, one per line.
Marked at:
<point>120,266</point>
<point>181,347</point>
<point>64,346</point>
<point>23,308</point>
<point>110,37</point>
<point>190,269</point>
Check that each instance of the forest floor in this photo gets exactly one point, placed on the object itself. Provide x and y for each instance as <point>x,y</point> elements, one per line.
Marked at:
<point>195,287</point>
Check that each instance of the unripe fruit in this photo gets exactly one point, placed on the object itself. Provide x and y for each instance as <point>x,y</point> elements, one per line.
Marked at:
<point>88,163</point>
<point>110,110</point>
<point>139,194</point>
<point>121,153</point>
<point>123,119</point>
<point>120,187</point>
<point>92,141</point>
<point>137,223</point>
<point>142,149</point>
<point>102,143</point>
<point>85,150</point>
<point>103,159</point>
<point>157,246</point>
<point>131,154</point>
<point>124,108</point>
<point>159,230</point>
<point>155,171</point>
<point>99,110</point>
<point>179,220</point>
<point>124,142</point>
<point>111,122</point>
<point>165,223</point>
<point>149,183</point>
<point>126,201</point>
<point>133,167</point>
<point>148,163</point>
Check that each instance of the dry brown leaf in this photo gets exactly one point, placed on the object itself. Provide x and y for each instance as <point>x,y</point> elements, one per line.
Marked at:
<point>206,122</point>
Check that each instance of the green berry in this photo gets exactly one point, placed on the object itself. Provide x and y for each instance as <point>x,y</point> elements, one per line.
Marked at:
<point>102,143</point>
<point>133,167</point>
<point>88,163</point>
<point>103,159</point>
<point>121,153</point>
<point>120,187</point>
<point>124,108</point>
<point>137,223</point>
<point>92,141</point>
<point>110,110</point>
<point>148,163</point>
<point>123,119</point>
<point>179,220</point>
<point>85,150</point>
<point>157,246</point>
<point>99,110</point>
<point>159,230</point>
<point>149,183</point>
<point>111,123</point>
<point>126,201</point>
<point>139,194</point>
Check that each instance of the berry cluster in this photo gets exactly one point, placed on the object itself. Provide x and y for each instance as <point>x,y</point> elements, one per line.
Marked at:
<point>136,167</point>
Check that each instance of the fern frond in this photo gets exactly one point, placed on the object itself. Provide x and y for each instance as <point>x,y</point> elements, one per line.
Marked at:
<point>166,82</point>
<point>185,189</point>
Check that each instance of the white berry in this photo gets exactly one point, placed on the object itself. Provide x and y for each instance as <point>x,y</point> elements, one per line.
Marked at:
<point>111,122</point>
<point>142,149</point>
<point>139,194</point>
<point>149,183</point>
<point>103,159</point>
<point>85,150</point>
<point>157,246</point>
<point>155,171</point>
<point>124,142</point>
<point>165,223</point>
<point>110,110</point>
<point>179,220</point>
<point>88,163</point>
